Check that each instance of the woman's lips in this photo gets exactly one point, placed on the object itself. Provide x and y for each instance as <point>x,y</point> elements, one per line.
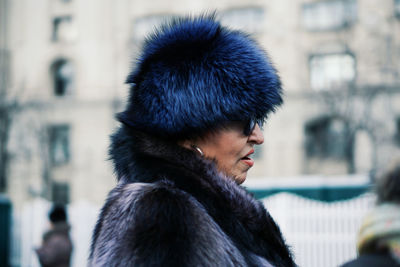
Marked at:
<point>246,159</point>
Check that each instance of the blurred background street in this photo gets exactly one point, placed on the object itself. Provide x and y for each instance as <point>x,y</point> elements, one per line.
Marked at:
<point>63,64</point>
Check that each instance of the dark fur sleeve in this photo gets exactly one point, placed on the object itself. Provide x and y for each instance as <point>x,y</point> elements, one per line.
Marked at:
<point>157,225</point>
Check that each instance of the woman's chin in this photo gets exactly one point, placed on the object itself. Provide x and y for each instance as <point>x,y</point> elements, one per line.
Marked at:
<point>238,175</point>
<point>240,178</point>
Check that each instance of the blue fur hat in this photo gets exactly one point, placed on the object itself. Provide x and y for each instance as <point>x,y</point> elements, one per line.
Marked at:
<point>194,75</point>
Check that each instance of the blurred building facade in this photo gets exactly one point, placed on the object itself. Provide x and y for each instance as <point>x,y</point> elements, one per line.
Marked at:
<point>339,61</point>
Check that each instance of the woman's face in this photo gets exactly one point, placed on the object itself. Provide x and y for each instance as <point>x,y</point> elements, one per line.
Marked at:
<point>232,149</point>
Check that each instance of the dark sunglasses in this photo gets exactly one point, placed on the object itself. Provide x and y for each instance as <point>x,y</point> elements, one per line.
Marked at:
<point>249,127</point>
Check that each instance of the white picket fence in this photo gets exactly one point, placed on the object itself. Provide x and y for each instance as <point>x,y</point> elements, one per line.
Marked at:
<point>320,234</point>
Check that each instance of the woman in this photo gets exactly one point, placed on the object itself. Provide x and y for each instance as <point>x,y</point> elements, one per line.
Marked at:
<point>56,248</point>
<point>199,94</point>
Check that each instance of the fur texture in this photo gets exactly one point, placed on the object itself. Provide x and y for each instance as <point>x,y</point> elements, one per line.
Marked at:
<point>194,74</point>
<point>172,208</point>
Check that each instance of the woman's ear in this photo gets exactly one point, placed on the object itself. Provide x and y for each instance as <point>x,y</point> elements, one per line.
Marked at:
<point>190,144</point>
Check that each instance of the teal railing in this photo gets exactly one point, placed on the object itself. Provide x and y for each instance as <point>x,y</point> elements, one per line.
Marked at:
<point>322,193</point>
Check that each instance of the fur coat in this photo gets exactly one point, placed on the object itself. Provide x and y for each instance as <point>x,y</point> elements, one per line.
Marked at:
<point>172,207</point>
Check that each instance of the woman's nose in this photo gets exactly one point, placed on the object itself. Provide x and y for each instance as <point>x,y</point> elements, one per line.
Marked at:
<point>256,136</point>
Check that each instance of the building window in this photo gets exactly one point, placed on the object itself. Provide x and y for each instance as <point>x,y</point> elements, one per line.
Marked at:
<point>60,193</point>
<point>329,14</point>
<point>144,26</point>
<point>59,144</point>
<point>329,71</point>
<point>62,28</point>
<point>327,138</point>
<point>249,19</point>
<point>62,72</point>
<point>397,8</point>
<point>4,68</point>
<point>397,134</point>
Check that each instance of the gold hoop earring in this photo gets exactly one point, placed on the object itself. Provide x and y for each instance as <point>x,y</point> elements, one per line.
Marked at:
<point>198,150</point>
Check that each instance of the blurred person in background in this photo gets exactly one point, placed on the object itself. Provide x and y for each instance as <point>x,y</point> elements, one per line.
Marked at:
<point>56,247</point>
<point>199,94</point>
<point>378,242</point>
